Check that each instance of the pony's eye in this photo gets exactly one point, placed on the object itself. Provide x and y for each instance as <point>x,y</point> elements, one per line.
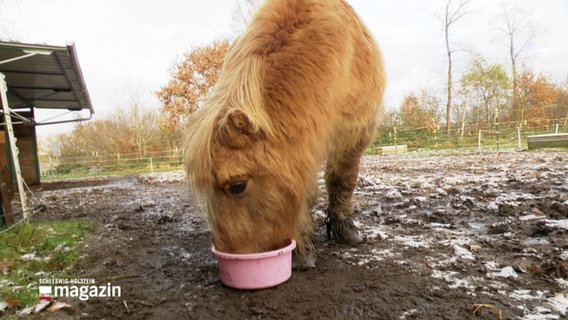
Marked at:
<point>238,187</point>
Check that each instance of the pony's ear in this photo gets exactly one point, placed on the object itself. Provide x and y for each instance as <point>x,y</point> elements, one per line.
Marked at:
<point>235,129</point>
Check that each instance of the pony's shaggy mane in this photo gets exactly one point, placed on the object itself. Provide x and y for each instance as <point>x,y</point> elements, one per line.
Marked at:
<point>239,86</point>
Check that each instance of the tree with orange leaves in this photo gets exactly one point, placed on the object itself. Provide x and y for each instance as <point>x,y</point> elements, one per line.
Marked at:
<point>538,99</point>
<point>192,77</point>
<point>420,111</point>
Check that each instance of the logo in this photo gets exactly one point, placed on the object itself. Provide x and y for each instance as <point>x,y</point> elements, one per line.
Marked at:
<point>83,289</point>
<point>45,293</point>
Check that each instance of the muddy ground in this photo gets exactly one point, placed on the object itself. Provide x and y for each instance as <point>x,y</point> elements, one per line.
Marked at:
<point>443,234</point>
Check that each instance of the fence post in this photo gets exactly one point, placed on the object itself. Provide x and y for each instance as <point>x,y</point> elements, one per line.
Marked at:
<point>519,136</point>
<point>151,166</point>
<point>479,141</point>
<point>556,130</point>
<point>395,144</point>
<point>497,133</point>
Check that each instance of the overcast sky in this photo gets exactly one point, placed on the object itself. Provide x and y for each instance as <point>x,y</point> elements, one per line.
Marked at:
<point>127,47</point>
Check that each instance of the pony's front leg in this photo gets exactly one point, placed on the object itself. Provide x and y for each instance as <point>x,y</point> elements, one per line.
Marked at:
<point>341,179</point>
<point>305,253</point>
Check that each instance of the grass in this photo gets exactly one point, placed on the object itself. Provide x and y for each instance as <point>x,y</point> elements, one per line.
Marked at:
<point>113,170</point>
<point>51,247</point>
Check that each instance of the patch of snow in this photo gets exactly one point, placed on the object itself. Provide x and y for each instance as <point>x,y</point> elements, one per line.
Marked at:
<point>452,278</point>
<point>364,181</point>
<point>514,197</point>
<point>425,182</point>
<point>531,217</point>
<point>421,199</point>
<point>410,313</point>
<point>163,177</point>
<point>413,241</point>
<point>493,206</point>
<point>460,241</point>
<point>376,255</point>
<point>536,242</point>
<point>376,210</point>
<point>365,259</point>
<point>562,224</point>
<point>541,313</point>
<point>507,272</point>
<point>562,283</point>
<point>440,226</point>
<point>526,294</point>
<point>379,231</point>
<point>393,193</point>
<point>463,252</point>
<point>458,245</point>
<point>560,303</point>
<point>478,227</point>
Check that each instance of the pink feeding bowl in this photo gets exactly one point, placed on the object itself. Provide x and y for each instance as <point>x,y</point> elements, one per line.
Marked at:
<point>256,270</point>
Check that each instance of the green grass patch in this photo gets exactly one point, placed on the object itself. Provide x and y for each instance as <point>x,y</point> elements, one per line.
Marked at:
<point>115,170</point>
<point>37,250</point>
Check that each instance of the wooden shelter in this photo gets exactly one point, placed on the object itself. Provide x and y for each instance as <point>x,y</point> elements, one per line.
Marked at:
<point>34,77</point>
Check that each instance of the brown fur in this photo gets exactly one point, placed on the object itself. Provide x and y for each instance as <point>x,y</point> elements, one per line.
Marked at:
<point>301,87</point>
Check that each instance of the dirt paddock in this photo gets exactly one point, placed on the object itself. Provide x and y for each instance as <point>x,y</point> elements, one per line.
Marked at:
<point>445,236</point>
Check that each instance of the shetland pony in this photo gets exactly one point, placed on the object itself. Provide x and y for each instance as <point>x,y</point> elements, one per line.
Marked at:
<point>301,88</point>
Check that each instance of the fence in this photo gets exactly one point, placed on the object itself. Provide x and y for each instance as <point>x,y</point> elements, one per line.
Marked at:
<point>110,164</point>
<point>485,140</point>
<point>414,140</point>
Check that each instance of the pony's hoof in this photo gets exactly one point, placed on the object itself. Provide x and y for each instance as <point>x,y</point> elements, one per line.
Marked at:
<point>304,265</point>
<point>345,231</point>
<point>304,259</point>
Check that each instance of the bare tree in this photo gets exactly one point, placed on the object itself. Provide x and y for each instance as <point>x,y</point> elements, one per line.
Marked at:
<point>134,126</point>
<point>461,109</point>
<point>486,85</point>
<point>452,14</point>
<point>138,123</point>
<point>519,32</point>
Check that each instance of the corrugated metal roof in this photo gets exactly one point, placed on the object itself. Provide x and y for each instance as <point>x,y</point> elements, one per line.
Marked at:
<point>50,81</point>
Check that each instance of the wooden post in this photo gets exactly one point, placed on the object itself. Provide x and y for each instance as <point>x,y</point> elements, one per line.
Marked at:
<point>519,136</point>
<point>13,148</point>
<point>395,137</point>
<point>6,196</point>
<point>479,141</point>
